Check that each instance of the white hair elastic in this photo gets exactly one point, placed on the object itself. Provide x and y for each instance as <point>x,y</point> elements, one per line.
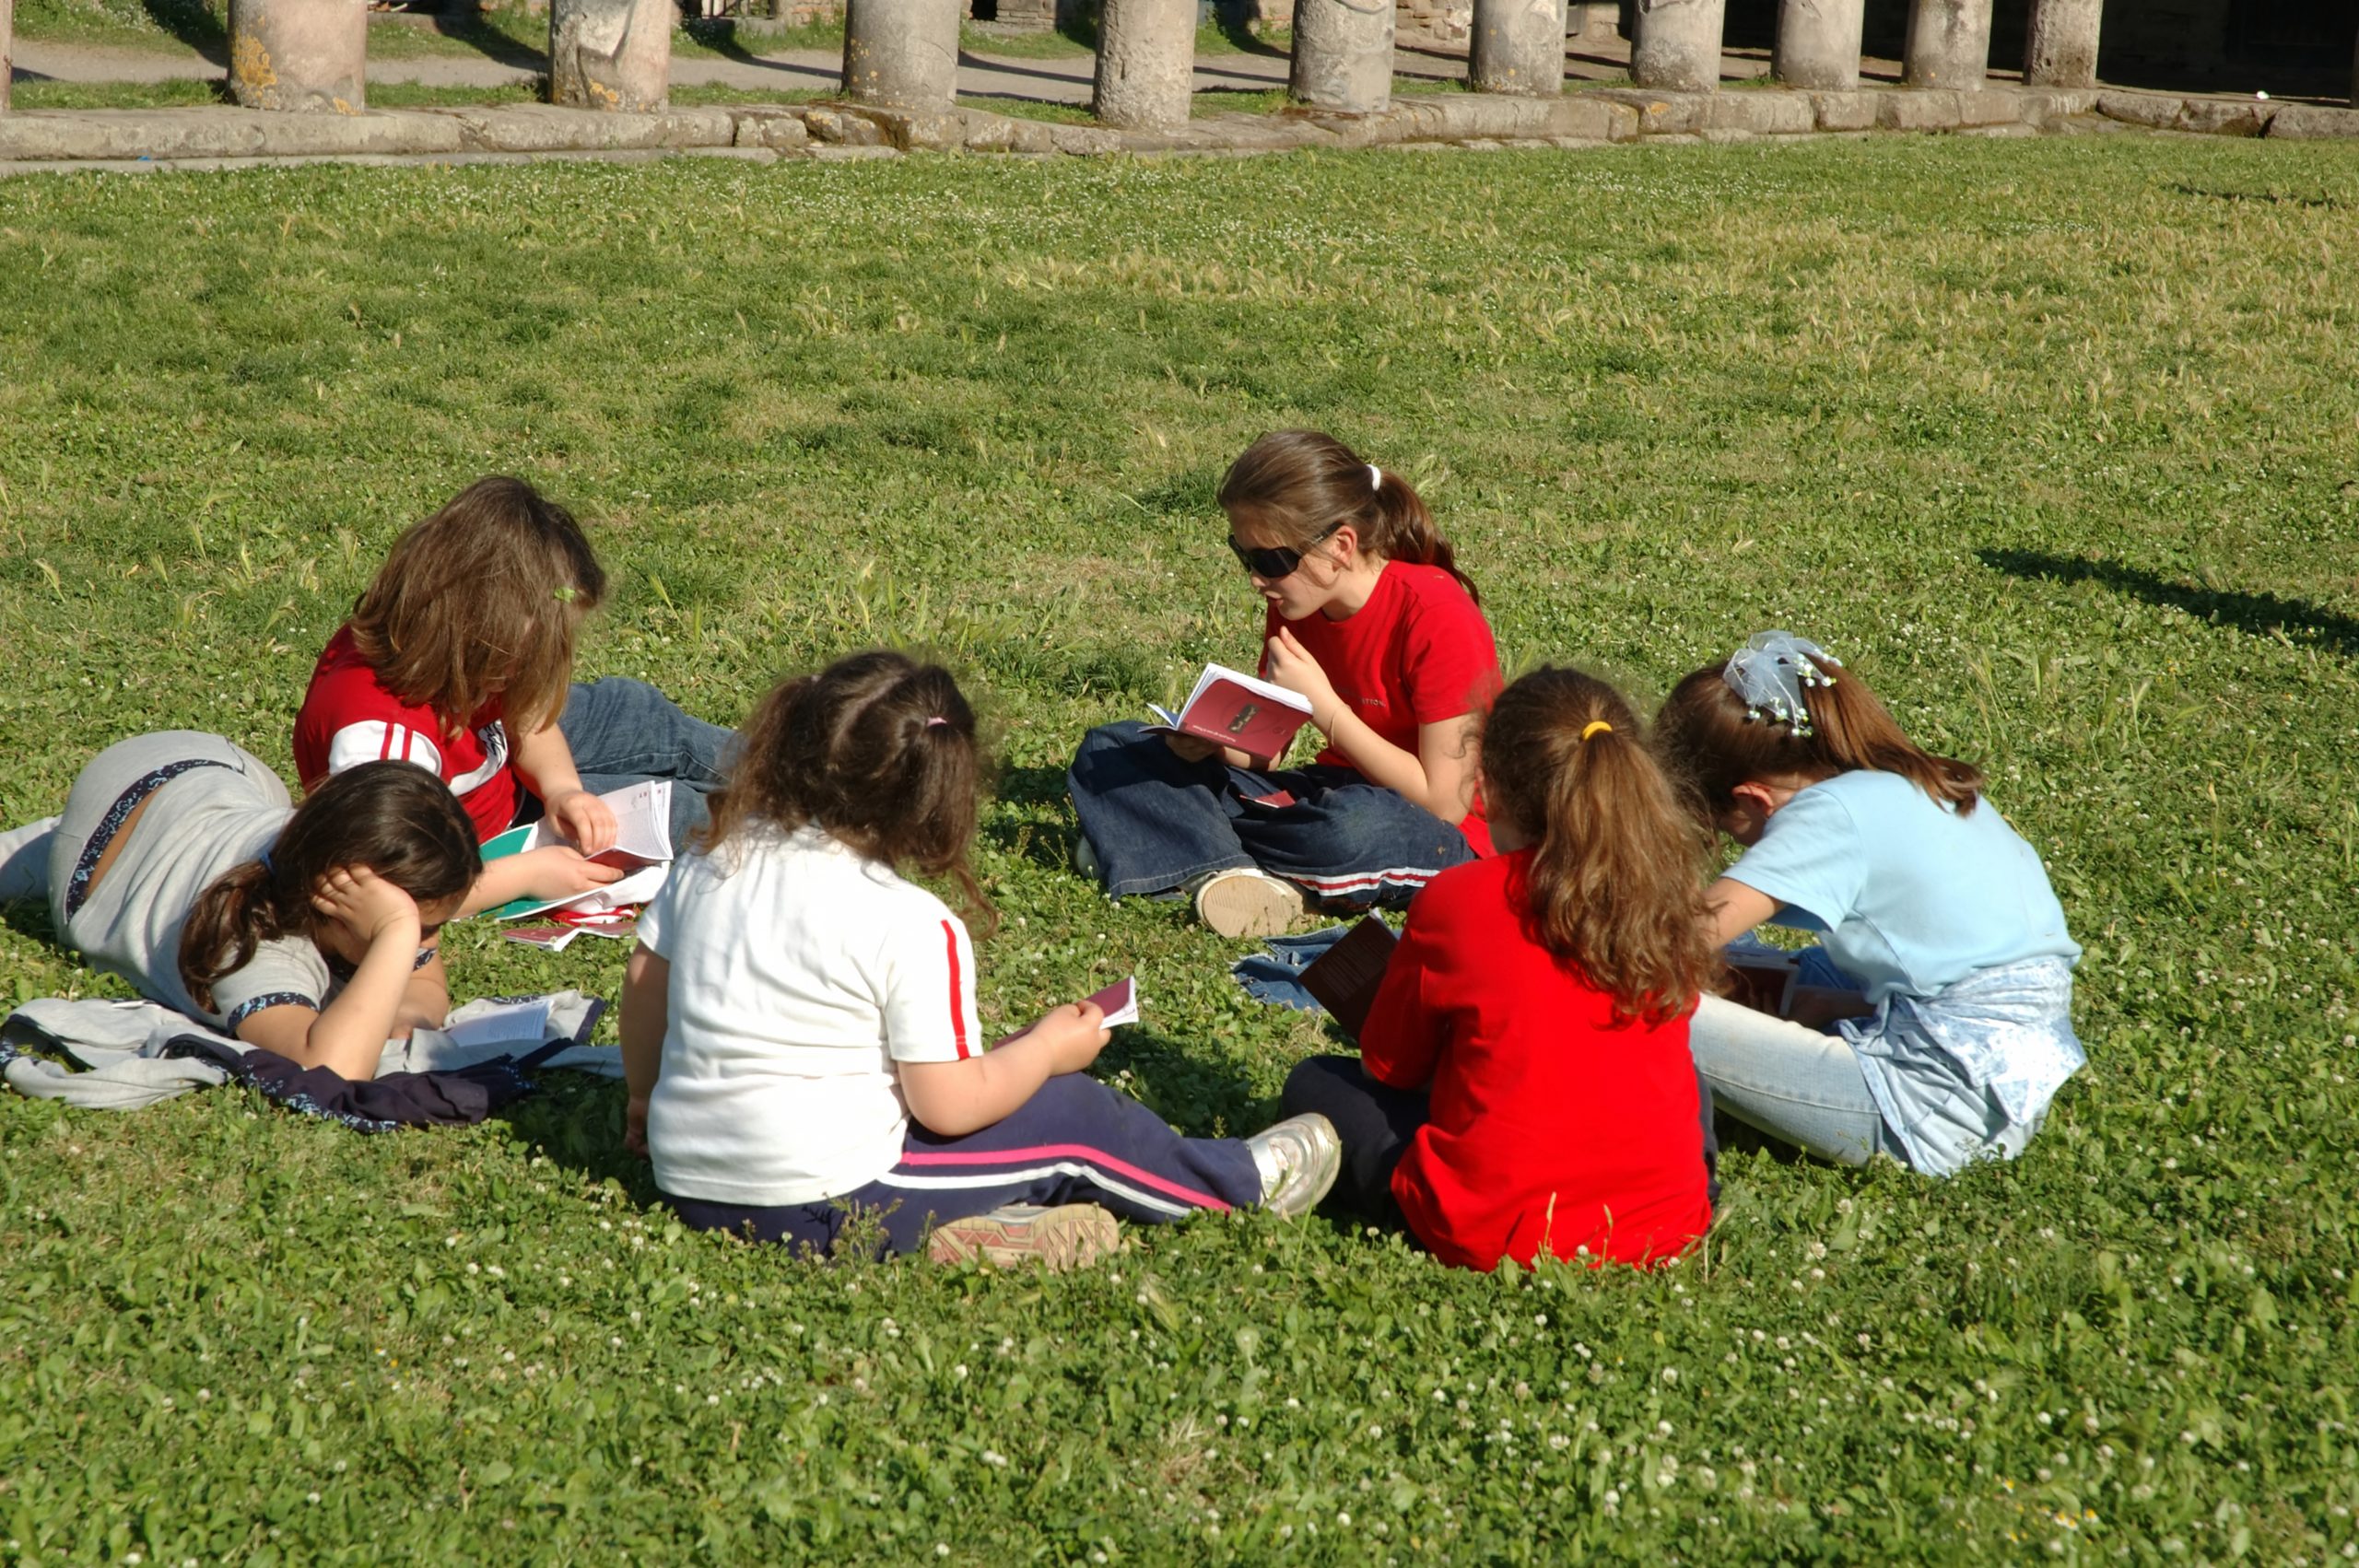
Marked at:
<point>1376,476</point>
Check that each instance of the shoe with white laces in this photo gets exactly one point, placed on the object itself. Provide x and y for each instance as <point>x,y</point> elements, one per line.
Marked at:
<point>1299,1159</point>
<point>1070,1236</point>
<point>1246,903</point>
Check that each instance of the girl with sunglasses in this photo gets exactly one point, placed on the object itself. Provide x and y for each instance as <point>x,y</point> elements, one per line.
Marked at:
<point>1367,617</point>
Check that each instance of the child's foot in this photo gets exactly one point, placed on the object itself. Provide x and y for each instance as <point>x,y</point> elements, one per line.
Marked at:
<point>1298,1159</point>
<point>1246,902</point>
<point>1069,1236</point>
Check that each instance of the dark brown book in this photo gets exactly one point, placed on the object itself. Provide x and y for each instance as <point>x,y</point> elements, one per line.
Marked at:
<point>1763,982</point>
<point>1346,977</point>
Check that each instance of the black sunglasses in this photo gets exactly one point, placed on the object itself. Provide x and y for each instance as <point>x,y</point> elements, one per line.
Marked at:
<point>1275,561</point>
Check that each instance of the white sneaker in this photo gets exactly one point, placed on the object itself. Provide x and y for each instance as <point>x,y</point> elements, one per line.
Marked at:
<point>1068,1236</point>
<point>1085,858</point>
<point>1299,1159</point>
<point>1246,902</point>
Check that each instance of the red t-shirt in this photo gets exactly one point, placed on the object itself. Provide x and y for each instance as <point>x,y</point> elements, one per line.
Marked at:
<point>1417,653</point>
<point>348,717</point>
<point>1551,1126</point>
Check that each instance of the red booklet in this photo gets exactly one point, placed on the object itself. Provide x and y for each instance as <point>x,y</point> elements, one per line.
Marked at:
<point>1232,708</point>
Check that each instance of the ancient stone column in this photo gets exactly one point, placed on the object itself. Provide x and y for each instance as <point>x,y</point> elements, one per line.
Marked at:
<point>611,54</point>
<point>1343,56</point>
<point>7,20</point>
<point>902,53</point>
<point>304,55</point>
<point>1146,63</point>
<point>2060,48</point>
<point>1517,46</point>
<point>1818,43</point>
<point>1677,45</point>
<point>1949,44</point>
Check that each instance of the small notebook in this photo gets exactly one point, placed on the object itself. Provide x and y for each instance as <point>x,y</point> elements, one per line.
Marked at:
<point>1119,1003</point>
<point>1346,975</point>
<point>1229,708</point>
<point>643,849</point>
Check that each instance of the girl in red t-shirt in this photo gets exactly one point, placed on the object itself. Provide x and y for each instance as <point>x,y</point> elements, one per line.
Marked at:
<point>1524,1084</point>
<point>1367,618</point>
<point>459,658</point>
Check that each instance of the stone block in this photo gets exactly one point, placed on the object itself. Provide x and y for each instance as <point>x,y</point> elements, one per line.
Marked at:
<point>1762,111</point>
<point>1083,139</point>
<point>2311,122</point>
<point>2158,110</point>
<point>1917,109</point>
<point>1586,118</point>
<point>761,127</point>
<point>913,130</point>
<point>1030,136</point>
<point>1659,114</point>
<point>841,128</point>
<point>541,128</point>
<point>1844,110</point>
<point>1990,106</point>
<point>2046,106</point>
<point>2226,117</point>
<point>987,132</point>
<point>830,153</point>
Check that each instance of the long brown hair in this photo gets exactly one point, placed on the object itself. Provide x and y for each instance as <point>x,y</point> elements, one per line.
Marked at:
<point>1708,740</point>
<point>1615,887</point>
<point>877,749</point>
<point>395,818</point>
<point>486,592</point>
<point>1301,486</point>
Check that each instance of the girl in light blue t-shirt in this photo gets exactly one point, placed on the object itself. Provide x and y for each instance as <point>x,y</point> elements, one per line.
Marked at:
<point>1953,1027</point>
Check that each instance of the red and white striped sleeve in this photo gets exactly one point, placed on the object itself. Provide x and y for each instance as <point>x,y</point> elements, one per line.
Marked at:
<point>375,739</point>
<point>930,1001</point>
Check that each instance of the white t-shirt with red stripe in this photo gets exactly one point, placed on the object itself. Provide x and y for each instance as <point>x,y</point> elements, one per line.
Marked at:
<point>348,717</point>
<point>801,974</point>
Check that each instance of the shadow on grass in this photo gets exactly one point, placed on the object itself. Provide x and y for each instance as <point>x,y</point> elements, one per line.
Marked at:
<point>576,1121</point>
<point>468,27</point>
<point>194,23</point>
<point>2258,615</point>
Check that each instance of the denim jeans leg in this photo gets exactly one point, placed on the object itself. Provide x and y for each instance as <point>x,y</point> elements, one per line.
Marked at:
<point>1788,1081</point>
<point>622,730</point>
<point>1156,822</point>
<point>1349,842</point>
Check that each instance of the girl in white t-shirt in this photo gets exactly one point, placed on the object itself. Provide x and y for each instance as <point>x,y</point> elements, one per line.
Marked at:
<point>798,1025</point>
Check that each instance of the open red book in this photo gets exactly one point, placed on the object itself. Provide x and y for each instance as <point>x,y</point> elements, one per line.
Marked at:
<point>1229,708</point>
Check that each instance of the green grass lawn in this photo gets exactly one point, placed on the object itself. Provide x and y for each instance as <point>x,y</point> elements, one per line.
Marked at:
<point>2058,441</point>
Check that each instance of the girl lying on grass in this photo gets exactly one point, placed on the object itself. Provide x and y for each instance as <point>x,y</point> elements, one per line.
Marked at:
<point>798,1025</point>
<point>1369,617</point>
<point>308,930</point>
<point>1935,916</point>
<point>1524,1084</point>
<point>462,647</point>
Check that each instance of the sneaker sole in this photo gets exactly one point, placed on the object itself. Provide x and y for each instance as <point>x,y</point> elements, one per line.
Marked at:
<point>1071,1237</point>
<point>1248,907</point>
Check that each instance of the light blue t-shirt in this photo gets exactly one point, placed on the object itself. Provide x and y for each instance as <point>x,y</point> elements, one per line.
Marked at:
<point>1912,898</point>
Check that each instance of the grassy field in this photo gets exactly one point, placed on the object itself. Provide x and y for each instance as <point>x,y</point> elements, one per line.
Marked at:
<point>2056,442</point>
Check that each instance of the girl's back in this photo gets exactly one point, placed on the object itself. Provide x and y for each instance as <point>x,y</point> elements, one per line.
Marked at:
<point>794,962</point>
<point>1912,894</point>
<point>1554,1125</point>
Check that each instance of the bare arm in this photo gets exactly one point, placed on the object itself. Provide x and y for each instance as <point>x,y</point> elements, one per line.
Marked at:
<point>1736,909</point>
<point>545,764</point>
<point>554,871</point>
<point>646,982</point>
<point>348,1036</point>
<point>954,1098</point>
<point>425,1001</point>
<point>1440,775</point>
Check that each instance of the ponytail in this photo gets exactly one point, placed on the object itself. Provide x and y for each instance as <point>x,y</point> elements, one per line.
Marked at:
<point>234,915</point>
<point>395,818</point>
<point>1613,887</point>
<point>1303,485</point>
<point>1708,737</point>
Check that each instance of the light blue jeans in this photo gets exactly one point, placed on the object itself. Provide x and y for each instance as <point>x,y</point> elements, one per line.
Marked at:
<point>621,731</point>
<point>1788,1081</point>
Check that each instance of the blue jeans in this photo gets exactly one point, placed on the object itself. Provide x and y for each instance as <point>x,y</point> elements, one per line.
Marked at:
<point>621,731</point>
<point>1157,823</point>
<point>1789,1081</point>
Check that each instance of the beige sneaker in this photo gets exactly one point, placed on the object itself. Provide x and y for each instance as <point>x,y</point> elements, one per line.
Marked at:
<point>1299,1159</point>
<point>1071,1235</point>
<point>1246,902</point>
